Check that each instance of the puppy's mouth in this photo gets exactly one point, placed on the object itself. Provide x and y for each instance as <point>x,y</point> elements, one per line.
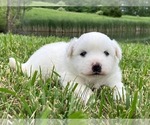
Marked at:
<point>97,74</point>
<point>94,74</point>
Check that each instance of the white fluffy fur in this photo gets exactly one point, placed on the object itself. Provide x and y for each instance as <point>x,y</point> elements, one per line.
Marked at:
<point>73,68</point>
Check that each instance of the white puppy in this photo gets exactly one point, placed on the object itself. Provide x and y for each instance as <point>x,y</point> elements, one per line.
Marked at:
<point>92,60</point>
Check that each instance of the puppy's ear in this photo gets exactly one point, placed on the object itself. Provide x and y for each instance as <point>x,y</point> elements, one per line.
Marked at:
<point>118,51</point>
<point>71,46</point>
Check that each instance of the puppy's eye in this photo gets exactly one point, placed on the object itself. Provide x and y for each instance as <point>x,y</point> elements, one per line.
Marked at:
<point>106,53</point>
<point>83,53</point>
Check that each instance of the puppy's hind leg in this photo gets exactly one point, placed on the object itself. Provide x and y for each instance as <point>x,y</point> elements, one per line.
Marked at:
<point>15,65</point>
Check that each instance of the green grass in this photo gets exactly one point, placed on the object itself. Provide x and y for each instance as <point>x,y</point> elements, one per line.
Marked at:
<point>45,14</point>
<point>37,15</point>
<point>21,97</point>
<point>48,21</point>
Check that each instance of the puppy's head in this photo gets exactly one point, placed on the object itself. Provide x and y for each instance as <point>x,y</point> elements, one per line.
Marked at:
<point>93,54</point>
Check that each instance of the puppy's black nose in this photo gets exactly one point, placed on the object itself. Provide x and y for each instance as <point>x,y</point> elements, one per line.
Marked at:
<point>96,68</point>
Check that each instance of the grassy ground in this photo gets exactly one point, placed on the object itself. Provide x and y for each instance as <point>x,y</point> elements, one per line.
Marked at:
<point>21,97</point>
<point>43,21</point>
<point>70,20</point>
<point>46,14</point>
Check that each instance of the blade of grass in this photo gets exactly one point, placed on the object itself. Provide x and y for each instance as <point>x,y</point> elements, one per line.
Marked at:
<point>45,113</point>
<point>26,106</point>
<point>33,78</point>
<point>101,104</point>
<point>5,90</point>
<point>133,105</point>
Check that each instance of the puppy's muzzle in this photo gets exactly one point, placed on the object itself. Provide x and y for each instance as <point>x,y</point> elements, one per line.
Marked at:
<point>96,68</point>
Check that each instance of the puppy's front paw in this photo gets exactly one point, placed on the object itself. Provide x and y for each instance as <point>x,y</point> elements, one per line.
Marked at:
<point>119,93</point>
<point>86,94</point>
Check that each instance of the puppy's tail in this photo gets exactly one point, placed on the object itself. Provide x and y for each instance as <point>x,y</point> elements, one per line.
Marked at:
<point>15,65</point>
